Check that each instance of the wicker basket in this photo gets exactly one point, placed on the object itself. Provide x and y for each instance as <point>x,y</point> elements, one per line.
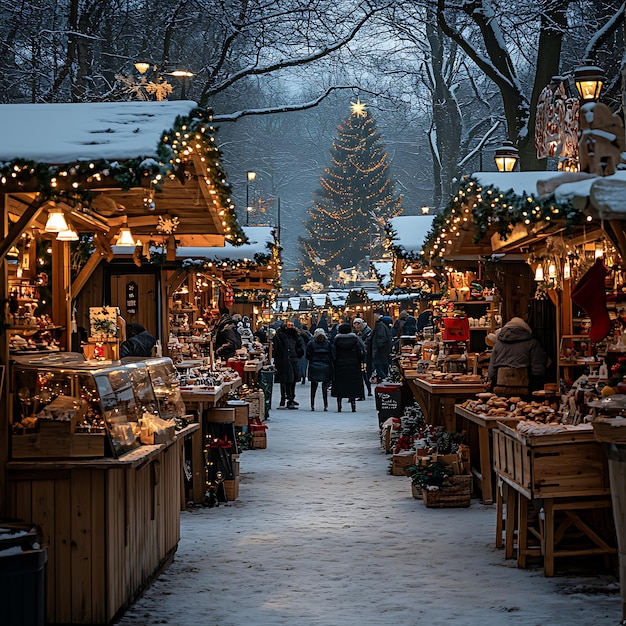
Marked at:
<point>416,491</point>
<point>457,494</point>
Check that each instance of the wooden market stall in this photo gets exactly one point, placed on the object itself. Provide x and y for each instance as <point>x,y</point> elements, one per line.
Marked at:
<point>153,168</point>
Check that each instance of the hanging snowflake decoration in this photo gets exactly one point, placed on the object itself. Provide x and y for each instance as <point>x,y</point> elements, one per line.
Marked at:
<point>167,225</point>
<point>133,88</point>
<point>142,89</point>
<point>160,90</point>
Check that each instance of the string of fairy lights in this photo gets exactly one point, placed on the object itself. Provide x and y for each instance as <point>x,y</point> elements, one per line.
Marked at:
<point>355,184</point>
<point>484,207</point>
<point>74,182</point>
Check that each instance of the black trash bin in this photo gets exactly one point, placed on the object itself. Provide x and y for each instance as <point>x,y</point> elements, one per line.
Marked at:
<point>22,575</point>
<point>266,383</point>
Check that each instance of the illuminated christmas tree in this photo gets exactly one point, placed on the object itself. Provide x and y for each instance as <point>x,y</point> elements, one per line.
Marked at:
<point>356,198</point>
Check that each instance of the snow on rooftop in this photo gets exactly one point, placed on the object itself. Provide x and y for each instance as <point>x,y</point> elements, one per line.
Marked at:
<point>411,230</point>
<point>383,269</point>
<point>319,299</point>
<point>66,132</point>
<point>259,238</point>
<point>522,183</point>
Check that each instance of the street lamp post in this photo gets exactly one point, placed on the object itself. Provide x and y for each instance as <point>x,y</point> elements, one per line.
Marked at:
<point>251,177</point>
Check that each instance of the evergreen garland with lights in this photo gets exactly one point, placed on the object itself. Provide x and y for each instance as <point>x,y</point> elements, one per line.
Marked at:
<point>488,208</point>
<point>356,191</point>
<point>71,182</point>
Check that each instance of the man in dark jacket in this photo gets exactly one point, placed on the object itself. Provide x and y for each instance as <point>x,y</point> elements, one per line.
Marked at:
<point>405,325</point>
<point>288,348</point>
<point>382,336</point>
<point>227,338</point>
<point>517,348</point>
<point>139,342</point>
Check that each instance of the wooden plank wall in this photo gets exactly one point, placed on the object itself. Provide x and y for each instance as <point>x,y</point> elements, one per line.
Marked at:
<point>108,532</point>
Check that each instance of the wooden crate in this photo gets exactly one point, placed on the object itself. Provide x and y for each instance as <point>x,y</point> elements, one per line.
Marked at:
<point>219,414</point>
<point>259,440</point>
<point>399,463</point>
<point>560,465</point>
<point>457,494</point>
<point>242,410</point>
<point>231,488</point>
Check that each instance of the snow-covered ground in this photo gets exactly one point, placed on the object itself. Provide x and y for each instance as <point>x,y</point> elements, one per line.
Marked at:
<point>323,535</point>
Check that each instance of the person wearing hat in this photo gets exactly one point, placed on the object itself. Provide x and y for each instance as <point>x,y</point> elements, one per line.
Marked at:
<point>364,332</point>
<point>348,355</point>
<point>319,357</point>
<point>518,356</point>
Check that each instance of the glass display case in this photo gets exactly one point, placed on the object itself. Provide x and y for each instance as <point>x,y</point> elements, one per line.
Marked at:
<point>165,383</point>
<point>114,396</point>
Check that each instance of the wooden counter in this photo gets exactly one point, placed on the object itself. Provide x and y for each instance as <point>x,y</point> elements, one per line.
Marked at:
<point>558,497</point>
<point>437,399</point>
<point>110,525</point>
<point>479,438</point>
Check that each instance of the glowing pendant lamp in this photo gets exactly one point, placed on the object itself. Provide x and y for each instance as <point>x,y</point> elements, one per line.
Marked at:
<point>56,221</point>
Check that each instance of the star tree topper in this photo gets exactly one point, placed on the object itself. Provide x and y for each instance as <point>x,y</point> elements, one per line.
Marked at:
<point>358,108</point>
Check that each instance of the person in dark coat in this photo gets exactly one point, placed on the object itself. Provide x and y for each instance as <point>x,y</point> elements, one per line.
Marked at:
<point>139,342</point>
<point>364,332</point>
<point>288,348</point>
<point>306,337</point>
<point>406,324</point>
<point>516,347</point>
<point>348,353</point>
<point>227,337</point>
<point>318,354</point>
<point>382,336</point>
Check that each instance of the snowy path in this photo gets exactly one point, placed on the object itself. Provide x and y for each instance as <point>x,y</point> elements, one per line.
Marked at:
<point>322,535</point>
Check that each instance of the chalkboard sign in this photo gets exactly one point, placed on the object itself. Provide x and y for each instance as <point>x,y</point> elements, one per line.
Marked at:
<point>388,401</point>
<point>132,298</point>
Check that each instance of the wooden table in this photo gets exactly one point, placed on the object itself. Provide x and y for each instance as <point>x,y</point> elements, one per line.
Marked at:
<point>479,429</point>
<point>437,399</point>
<point>555,481</point>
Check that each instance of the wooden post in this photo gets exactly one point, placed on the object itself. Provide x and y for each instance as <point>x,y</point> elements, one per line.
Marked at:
<point>616,455</point>
<point>61,297</point>
<point>5,408</point>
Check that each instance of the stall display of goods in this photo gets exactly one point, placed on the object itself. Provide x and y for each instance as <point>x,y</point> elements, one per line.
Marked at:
<point>87,409</point>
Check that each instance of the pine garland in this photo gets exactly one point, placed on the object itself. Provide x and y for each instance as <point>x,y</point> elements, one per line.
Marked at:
<point>487,208</point>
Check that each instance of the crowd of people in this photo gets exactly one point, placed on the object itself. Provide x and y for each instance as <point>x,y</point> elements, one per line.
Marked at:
<point>344,359</point>
<point>347,358</point>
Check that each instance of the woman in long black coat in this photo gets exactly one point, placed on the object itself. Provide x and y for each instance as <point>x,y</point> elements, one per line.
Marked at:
<point>288,349</point>
<point>348,356</point>
<point>318,354</point>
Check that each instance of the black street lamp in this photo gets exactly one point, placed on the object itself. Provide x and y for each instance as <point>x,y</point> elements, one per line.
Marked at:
<point>251,177</point>
<point>506,157</point>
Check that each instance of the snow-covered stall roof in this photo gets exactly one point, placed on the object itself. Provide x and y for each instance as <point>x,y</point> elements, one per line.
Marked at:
<point>260,238</point>
<point>378,297</point>
<point>383,271</point>
<point>319,299</point>
<point>67,132</point>
<point>409,231</point>
<point>338,298</point>
<point>521,183</point>
<point>122,158</point>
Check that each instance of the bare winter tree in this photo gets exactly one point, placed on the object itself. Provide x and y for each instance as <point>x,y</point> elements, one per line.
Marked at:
<point>497,35</point>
